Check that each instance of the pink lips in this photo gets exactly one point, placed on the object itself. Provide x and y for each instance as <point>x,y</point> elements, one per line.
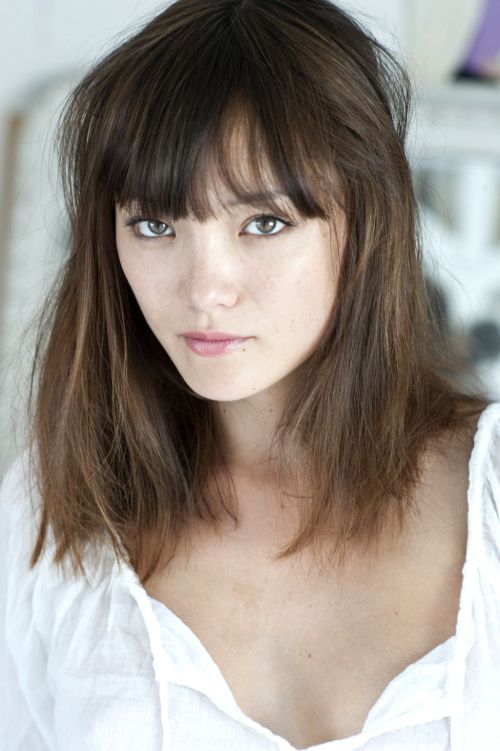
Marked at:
<point>209,344</point>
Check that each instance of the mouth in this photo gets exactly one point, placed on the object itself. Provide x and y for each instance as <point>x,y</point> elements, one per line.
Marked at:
<point>211,347</point>
<point>212,335</point>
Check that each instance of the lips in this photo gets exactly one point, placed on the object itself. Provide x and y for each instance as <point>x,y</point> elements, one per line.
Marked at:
<point>214,344</point>
<point>212,336</point>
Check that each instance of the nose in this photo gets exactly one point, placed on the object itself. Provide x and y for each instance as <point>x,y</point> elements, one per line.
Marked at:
<point>210,275</point>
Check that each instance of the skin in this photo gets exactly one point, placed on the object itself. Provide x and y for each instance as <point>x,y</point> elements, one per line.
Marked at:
<point>226,274</point>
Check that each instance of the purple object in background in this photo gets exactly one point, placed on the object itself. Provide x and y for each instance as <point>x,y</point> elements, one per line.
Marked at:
<point>485,48</point>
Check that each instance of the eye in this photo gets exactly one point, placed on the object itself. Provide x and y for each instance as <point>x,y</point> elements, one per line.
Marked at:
<point>268,223</point>
<point>148,228</point>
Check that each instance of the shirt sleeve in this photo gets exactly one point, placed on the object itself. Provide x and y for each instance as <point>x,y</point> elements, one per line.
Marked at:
<point>18,730</point>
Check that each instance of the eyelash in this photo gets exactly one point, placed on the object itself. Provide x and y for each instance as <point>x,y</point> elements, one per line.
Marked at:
<point>133,221</point>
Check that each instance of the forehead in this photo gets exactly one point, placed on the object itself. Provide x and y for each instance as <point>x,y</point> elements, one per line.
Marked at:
<point>244,188</point>
<point>243,175</point>
<point>207,173</point>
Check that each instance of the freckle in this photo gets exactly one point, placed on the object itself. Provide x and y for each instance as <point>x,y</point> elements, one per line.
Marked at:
<point>309,655</point>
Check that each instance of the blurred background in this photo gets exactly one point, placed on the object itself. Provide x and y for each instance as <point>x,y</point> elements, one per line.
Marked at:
<point>452,52</point>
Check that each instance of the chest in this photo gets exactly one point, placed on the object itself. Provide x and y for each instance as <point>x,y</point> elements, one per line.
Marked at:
<point>307,655</point>
<point>308,659</point>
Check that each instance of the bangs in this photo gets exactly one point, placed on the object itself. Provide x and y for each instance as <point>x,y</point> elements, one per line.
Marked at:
<point>215,120</point>
<point>235,167</point>
<point>195,174</point>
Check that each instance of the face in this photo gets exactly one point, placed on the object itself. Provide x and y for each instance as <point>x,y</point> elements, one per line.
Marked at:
<point>246,273</point>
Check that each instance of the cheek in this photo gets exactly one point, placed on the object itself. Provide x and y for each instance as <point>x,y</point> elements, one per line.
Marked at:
<point>151,296</point>
<point>304,295</point>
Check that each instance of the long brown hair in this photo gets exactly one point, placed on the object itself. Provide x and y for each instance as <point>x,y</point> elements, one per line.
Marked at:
<point>123,449</point>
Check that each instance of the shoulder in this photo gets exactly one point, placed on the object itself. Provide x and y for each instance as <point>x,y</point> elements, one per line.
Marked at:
<point>476,454</point>
<point>459,487</point>
<point>484,468</point>
<point>484,480</point>
<point>49,593</point>
<point>473,451</point>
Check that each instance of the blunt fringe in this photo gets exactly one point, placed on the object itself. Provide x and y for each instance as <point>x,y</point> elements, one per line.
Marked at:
<point>124,452</point>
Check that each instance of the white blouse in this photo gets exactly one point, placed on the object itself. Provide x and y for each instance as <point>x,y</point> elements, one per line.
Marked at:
<point>99,665</point>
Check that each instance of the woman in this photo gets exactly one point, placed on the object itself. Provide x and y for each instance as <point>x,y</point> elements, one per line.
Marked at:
<point>265,517</point>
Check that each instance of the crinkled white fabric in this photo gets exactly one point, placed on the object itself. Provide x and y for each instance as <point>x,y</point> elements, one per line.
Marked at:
<point>97,665</point>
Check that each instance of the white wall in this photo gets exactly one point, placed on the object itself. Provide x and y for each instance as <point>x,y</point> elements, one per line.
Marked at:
<point>388,19</point>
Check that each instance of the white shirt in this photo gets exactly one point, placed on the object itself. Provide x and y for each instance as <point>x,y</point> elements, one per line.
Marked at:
<point>99,665</point>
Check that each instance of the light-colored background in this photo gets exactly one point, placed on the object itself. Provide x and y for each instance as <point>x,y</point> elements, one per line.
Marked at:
<point>45,45</point>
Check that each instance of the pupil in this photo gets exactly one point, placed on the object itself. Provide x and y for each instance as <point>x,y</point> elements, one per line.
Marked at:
<point>268,220</point>
<point>157,227</point>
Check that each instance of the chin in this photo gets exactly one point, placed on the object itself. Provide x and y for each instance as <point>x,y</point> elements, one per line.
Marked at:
<point>221,392</point>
